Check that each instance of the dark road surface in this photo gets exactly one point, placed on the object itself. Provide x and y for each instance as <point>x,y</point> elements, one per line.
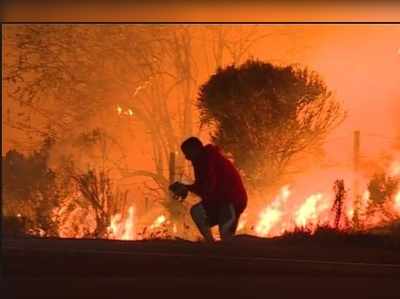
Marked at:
<point>246,268</point>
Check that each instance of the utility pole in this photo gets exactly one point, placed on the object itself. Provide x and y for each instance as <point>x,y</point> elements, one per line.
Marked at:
<point>356,166</point>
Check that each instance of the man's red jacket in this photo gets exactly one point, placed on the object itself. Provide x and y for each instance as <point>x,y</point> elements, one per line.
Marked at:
<point>216,179</point>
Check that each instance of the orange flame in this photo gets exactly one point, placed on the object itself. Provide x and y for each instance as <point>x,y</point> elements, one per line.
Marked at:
<point>271,215</point>
<point>395,169</point>
<point>129,229</point>
<point>241,225</point>
<point>119,109</point>
<point>122,230</point>
<point>157,223</point>
<point>397,202</point>
<point>128,111</point>
<point>286,212</point>
<point>308,213</point>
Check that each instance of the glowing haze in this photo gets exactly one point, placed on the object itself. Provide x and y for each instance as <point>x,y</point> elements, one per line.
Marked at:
<point>359,63</point>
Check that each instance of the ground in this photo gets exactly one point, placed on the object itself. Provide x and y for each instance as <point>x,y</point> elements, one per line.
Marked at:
<point>247,267</point>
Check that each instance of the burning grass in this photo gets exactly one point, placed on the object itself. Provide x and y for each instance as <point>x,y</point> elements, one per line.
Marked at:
<point>328,210</point>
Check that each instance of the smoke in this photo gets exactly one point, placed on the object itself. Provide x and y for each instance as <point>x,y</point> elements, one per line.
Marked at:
<point>361,65</point>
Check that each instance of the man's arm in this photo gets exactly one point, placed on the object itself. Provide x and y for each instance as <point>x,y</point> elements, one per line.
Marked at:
<point>194,188</point>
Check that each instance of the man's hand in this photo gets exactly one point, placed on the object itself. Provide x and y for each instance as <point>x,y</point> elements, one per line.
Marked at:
<point>179,190</point>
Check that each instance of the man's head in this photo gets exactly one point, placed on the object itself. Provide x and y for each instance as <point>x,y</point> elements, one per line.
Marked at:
<point>192,148</point>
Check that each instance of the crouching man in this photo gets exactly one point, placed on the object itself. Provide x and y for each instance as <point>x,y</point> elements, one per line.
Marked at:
<point>218,184</point>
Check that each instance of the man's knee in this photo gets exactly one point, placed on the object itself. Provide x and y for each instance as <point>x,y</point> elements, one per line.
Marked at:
<point>197,213</point>
<point>194,211</point>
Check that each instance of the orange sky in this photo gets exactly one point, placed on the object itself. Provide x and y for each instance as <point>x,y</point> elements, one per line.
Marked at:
<point>362,65</point>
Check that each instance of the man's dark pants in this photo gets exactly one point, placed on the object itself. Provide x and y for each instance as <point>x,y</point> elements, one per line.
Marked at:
<point>219,213</point>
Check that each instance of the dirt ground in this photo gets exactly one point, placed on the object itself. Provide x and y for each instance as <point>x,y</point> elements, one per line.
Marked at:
<point>247,267</point>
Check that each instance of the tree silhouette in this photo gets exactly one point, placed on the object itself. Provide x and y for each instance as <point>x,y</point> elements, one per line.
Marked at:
<point>98,190</point>
<point>338,204</point>
<point>77,71</point>
<point>382,189</point>
<point>263,115</point>
<point>31,189</point>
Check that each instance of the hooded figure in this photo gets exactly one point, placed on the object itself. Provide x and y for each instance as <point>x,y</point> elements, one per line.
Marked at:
<point>218,184</point>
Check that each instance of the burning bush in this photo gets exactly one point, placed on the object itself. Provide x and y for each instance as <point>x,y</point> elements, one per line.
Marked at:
<point>382,191</point>
<point>32,190</point>
<point>106,202</point>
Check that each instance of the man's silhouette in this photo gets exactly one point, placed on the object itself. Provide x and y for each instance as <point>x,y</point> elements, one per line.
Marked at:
<point>218,184</point>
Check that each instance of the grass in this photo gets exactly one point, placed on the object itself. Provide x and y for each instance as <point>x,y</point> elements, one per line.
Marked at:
<point>385,236</point>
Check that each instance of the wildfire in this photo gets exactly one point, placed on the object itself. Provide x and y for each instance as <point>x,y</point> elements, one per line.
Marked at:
<point>157,223</point>
<point>119,109</point>
<point>122,230</point>
<point>395,169</point>
<point>291,208</point>
<point>279,216</point>
<point>397,202</point>
<point>128,112</point>
<point>308,213</point>
<point>241,225</point>
<point>129,232</point>
<point>271,215</point>
<point>114,225</point>
<point>365,199</point>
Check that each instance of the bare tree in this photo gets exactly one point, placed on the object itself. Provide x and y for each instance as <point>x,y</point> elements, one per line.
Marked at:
<point>338,204</point>
<point>77,69</point>
<point>382,189</point>
<point>97,189</point>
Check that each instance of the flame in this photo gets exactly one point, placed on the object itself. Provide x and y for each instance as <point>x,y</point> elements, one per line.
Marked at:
<point>282,216</point>
<point>271,215</point>
<point>365,199</point>
<point>241,225</point>
<point>397,202</point>
<point>143,86</point>
<point>129,231</point>
<point>307,213</point>
<point>128,112</point>
<point>122,230</point>
<point>119,109</point>
<point>113,229</point>
<point>157,223</point>
<point>395,169</point>
<point>287,211</point>
<point>279,216</point>
<point>350,213</point>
